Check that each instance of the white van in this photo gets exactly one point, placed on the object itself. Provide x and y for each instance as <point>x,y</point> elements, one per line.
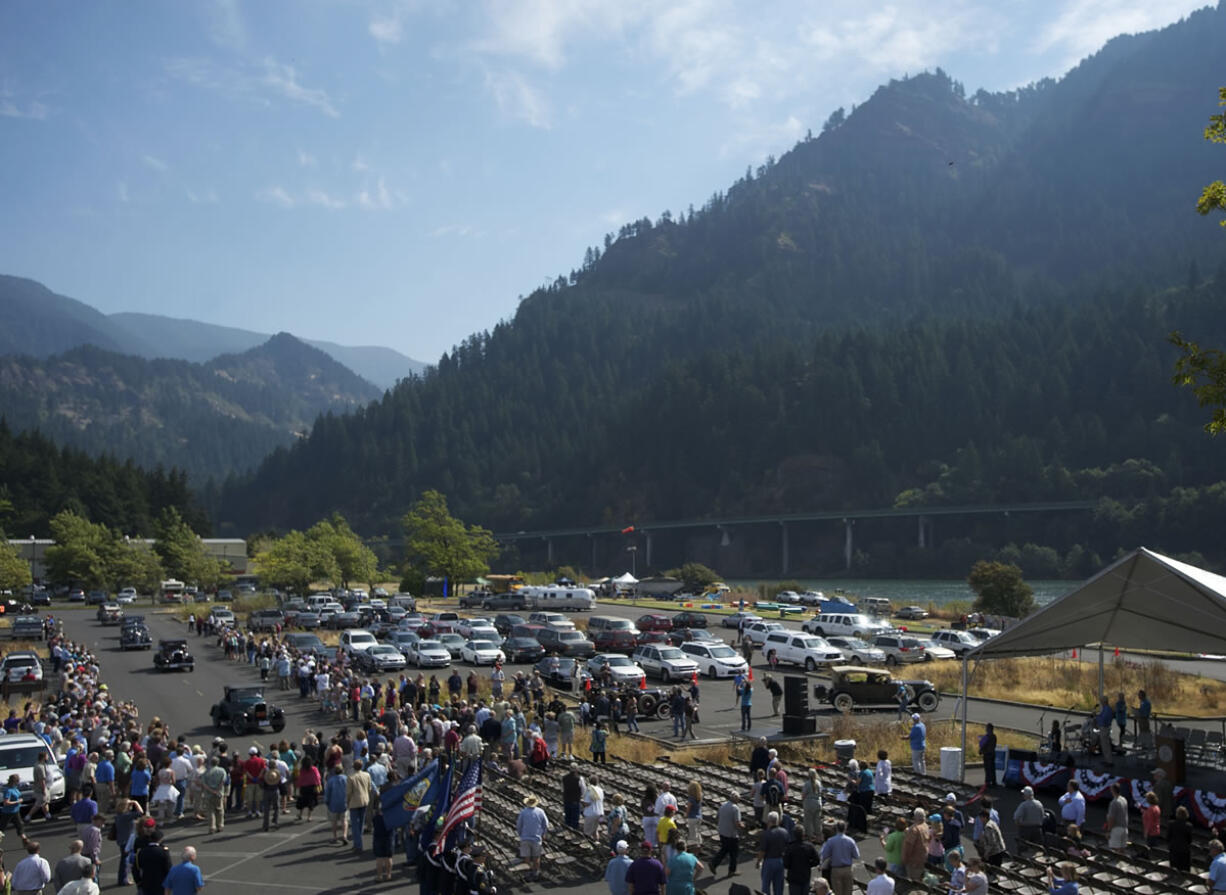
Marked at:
<point>578,599</point>
<point>843,624</point>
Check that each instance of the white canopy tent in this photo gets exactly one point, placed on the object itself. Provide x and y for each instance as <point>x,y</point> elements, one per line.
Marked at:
<point>1142,601</point>
<point>625,578</point>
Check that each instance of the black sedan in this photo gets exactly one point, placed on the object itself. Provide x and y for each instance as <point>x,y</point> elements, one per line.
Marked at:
<point>522,650</point>
<point>678,636</point>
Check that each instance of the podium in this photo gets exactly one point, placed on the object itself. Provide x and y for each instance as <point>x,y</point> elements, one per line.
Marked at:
<point>1172,758</point>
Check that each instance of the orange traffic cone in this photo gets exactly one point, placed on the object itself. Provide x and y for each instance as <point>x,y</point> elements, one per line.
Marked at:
<point>751,672</point>
<point>694,674</point>
<point>643,682</point>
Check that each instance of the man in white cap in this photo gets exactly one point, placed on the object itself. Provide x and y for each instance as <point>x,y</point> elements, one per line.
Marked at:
<point>919,744</point>
<point>615,870</point>
<point>1028,817</point>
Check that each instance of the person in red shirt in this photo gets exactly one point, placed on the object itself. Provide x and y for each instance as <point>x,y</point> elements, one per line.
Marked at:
<point>253,771</point>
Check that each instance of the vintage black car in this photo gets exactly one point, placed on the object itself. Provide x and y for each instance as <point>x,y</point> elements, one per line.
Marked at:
<point>853,686</point>
<point>244,710</point>
<point>110,614</point>
<point>134,634</point>
<point>173,655</point>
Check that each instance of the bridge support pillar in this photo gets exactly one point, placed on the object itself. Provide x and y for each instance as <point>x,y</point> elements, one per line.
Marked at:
<point>549,552</point>
<point>783,545</point>
<point>848,545</point>
<point>592,570</point>
<point>925,532</point>
<point>647,538</point>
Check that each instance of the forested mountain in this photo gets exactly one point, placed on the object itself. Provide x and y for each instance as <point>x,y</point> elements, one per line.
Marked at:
<point>939,298</point>
<point>39,479</point>
<point>38,322</point>
<point>208,419</point>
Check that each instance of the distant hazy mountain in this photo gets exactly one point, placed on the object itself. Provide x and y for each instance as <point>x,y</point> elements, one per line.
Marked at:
<point>209,419</point>
<point>196,341</point>
<point>38,322</point>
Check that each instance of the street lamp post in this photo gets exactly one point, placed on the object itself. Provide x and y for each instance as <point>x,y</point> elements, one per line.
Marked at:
<point>33,560</point>
<point>634,552</point>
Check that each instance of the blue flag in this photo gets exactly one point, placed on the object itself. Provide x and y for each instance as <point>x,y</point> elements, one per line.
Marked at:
<point>407,796</point>
<point>442,803</point>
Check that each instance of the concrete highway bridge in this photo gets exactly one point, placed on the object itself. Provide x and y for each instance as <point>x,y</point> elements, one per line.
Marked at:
<point>641,536</point>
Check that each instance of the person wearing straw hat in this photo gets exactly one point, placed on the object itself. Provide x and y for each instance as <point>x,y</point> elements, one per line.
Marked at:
<point>532,826</point>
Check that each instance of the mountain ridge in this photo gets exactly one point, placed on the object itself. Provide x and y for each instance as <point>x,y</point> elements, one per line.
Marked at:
<point>211,420</point>
<point>36,321</point>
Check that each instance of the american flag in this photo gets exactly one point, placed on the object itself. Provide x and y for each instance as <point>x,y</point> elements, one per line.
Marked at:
<point>466,804</point>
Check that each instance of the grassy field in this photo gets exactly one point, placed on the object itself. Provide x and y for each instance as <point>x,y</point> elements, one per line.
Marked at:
<point>1062,682</point>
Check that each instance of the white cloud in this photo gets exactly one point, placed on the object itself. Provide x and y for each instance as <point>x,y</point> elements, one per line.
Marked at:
<point>258,83</point>
<point>225,24</point>
<point>284,80</point>
<point>154,162</point>
<point>322,199</point>
<point>387,28</point>
<point>1085,25</point>
<point>209,197</point>
<point>306,160</point>
<point>275,195</point>
<point>516,98</point>
<point>538,30</point>
<point>121,192</point>
<point>13,106</point>
<point>378,197</point>
<point>453,230</point>
<point>359,164</point>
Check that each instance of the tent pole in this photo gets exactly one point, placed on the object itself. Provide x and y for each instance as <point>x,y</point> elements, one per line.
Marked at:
<point>965,684</point>
<point>1102,689</point>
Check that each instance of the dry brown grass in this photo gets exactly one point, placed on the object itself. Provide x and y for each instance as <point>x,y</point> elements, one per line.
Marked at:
<point>1065,683</point>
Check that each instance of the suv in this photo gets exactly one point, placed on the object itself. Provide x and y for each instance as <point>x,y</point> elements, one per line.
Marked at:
<point>19,754</point>
<point>510,600</point>
<point>266,620</point>
<point>566,643</point>
<point>551,620</point>
<point>21,665</point>
<point>668,662</point>
<point>800,649</point>
<point>845,625</point>
<point>900,648</point>
<point>355,640</point>
<point>598,623</point>
<point>759,631</point>
<point>852,685</point>
<point>958,642</point>
<point>443,622</point>
<point>504,622</point>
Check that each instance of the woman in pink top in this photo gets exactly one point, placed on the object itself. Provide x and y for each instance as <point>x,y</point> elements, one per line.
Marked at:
<point>309,785</point>
<point>1151,820</point>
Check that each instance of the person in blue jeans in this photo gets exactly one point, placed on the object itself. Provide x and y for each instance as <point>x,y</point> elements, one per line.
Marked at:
<point>774,843</point>
<point>746,704</point>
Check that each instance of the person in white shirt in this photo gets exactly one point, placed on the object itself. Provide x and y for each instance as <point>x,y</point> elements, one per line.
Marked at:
<point>1073,805</point>
<point>882,883</point>
<point>593,806</point>
<point>83,886</point>
<point>664,799</point>
<point>883,783</point>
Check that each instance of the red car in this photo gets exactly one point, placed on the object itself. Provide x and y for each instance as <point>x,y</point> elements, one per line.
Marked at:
<point>615,642</point>
<point>654,622</point>
<point>647,637</point>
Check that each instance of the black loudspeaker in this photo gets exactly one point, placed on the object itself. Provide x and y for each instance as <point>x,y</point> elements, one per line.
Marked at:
<point>795,696</point>
<point>799,725</point>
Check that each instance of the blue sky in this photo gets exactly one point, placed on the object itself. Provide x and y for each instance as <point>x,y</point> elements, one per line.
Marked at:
<point>398,173</point>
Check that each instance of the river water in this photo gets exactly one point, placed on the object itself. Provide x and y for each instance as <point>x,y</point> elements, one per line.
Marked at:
<point>905,592</point>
